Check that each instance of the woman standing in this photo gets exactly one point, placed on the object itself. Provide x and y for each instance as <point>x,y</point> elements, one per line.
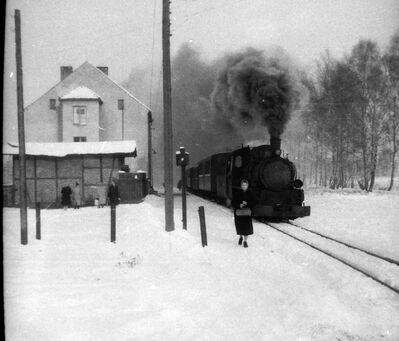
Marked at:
<point>66,197</point>
<point>77,196</point>
<point>113,193</point>
<point>243,202</point>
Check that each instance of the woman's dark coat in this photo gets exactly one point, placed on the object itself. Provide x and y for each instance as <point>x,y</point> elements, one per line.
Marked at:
<point>113,195</point>
<point>243,223</point>
<point>66,196</point>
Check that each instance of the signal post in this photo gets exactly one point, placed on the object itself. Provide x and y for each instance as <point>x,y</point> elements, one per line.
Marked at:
<point>183,159</point>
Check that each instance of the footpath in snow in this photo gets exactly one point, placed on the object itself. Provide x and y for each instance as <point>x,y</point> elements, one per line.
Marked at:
<point>153,285</point>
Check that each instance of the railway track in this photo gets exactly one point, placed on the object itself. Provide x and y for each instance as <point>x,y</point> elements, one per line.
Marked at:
<point>387,259</point>
<point>379,268</point>
<point>344,257</point>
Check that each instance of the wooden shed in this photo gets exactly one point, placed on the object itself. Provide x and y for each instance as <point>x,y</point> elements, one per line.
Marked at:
<point>51,166</point>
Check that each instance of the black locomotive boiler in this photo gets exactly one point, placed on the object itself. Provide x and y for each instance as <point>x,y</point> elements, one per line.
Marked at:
<point>272,179</point>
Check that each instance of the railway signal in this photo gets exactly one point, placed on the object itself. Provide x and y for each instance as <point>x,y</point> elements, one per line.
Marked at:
<point>183,159</point>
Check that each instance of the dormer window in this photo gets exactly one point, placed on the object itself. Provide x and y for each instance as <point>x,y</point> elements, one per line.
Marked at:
<point>79,115</point>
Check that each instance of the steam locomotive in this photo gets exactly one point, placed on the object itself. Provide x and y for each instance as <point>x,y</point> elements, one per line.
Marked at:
<point>272,179</point>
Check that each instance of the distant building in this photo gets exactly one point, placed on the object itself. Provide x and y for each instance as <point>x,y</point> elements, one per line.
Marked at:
<point>88,106</point>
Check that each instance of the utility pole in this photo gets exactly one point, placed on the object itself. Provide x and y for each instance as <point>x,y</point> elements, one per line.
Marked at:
<point>21,131</point>
<point>167,107</point>
<point>149,122</point>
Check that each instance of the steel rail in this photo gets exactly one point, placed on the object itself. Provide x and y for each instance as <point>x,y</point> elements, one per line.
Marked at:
<point>387,259</point>
<point>353,266</point>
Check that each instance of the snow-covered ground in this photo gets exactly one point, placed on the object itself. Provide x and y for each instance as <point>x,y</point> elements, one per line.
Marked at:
<point>153,285</point>
<point>367,220</point>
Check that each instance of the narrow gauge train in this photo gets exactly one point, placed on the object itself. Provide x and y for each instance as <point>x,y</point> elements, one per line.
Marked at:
<point>272,179</point>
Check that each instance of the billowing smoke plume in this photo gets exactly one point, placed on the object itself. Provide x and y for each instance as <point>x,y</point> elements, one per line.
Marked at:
<point>253,91</point>
<point>195,125</point>
<point>219,105</point>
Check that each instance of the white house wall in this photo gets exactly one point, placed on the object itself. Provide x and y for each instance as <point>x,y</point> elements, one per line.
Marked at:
<point>42,124</point>
<point>90,129</point>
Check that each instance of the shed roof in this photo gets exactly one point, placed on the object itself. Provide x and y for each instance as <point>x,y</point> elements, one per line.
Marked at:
<point>61,149</point>
<point>81,92</point>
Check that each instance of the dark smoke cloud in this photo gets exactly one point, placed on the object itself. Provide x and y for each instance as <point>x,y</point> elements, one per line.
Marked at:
<point>217,105</point>
<point>195,125</point>
<point>253,91</point>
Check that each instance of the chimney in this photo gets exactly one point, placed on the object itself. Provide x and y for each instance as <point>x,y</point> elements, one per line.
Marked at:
<point>65,71</point>
<point>103,69</point>
<point>275,142</point>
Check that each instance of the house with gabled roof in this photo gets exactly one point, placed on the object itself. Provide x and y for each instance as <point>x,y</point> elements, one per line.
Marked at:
<point>88,106</point>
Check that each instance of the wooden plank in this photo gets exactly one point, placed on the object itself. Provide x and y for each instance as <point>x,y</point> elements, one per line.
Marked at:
<point>56,179</point>
<point>13,181</point>
<point>35,177</point>
<point>82,184</point>
<point>101,168</point>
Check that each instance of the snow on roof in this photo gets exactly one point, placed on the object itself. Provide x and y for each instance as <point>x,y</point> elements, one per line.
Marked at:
<point>81,92</point>
<point>61,149</point>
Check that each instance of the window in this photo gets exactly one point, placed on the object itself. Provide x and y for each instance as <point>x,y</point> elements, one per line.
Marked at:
<point>52,104</point>
<point>79,115</point>
<point>208,167</point>
<point>79,139</point>
<point>121,104</point>
<point>238,161</point>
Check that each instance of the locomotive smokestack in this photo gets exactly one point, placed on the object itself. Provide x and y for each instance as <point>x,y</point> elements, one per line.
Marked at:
<point>275,142</point>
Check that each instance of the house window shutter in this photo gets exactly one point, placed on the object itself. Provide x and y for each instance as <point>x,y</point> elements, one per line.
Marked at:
<point>52,104</point>
<point>75,116</point>
<point>83,117</point>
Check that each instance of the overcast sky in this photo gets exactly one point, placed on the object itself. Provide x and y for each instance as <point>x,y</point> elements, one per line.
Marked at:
<point>126,34</point>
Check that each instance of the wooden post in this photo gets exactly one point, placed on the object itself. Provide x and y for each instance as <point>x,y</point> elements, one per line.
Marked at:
<point>56,182</point>
<point>201,212</point>
<point>113,223</point>
<point>101,168</point>
<point>82,191</point>
<point>21,131</point>
<point>184,199</point>
<point>35,178</point>
<point>149,122</point>
<point>38,226</point>
<point>167,106</point>
<point>123,124</point>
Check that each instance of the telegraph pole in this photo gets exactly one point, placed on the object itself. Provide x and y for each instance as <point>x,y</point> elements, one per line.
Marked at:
<point>21,131</point>
<point>167,107</point>
<point>149,122</point>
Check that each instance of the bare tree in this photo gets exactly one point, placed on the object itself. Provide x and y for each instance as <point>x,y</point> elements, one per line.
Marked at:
<point>366,62</point>
<point>391,65</point>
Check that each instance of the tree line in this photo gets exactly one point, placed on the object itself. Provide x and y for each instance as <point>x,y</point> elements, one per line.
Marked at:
<point>351,119</point>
